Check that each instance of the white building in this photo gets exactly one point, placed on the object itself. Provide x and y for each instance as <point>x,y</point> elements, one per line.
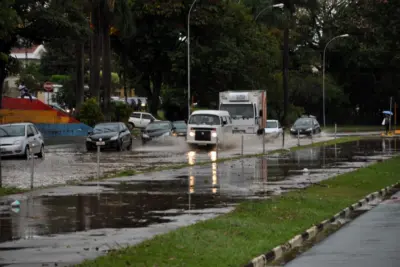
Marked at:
<point>26,56</point>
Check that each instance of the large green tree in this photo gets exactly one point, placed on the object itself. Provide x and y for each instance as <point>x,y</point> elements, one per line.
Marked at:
<point>228,51</point>
<point>35,21</point>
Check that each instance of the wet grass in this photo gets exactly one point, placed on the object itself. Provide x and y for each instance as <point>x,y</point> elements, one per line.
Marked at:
<point>254,227</point>
<point>10,191</point>
<point>129,172</point>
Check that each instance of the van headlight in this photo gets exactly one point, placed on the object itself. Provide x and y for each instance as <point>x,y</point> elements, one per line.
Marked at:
<point>191,133</point>
<point>213,134</point>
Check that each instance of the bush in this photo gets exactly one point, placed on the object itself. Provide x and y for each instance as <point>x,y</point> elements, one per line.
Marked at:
<point>90,112</point>
<point>120,111</point>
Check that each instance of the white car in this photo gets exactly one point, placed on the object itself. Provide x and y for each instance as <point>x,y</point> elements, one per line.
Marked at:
<point>140,119</point>
<point>16,139</point>
<point>273,128</point>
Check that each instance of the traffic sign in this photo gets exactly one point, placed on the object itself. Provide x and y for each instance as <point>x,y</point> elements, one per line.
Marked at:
<point>48,86</point>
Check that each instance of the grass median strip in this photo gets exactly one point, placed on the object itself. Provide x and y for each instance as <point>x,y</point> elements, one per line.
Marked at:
<point>10,191</point>
<point>254,227</point>
<point>130,172</point>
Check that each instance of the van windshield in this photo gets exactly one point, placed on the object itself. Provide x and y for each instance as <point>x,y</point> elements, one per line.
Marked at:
<point>205,119</point>
<point>239,111</point>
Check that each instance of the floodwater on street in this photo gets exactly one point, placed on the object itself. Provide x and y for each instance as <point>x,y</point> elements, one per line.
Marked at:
<point>68,224</point>
<point>70,162</point>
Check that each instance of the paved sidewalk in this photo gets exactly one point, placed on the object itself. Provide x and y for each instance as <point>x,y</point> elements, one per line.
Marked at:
<point>371,240</point>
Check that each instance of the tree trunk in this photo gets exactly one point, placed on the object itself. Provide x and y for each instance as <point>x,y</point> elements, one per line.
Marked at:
<point>80,53</point>
<point>95,55</point>
<point>124,84</point>
<point>106,74</point>
<point>2,78</point>
<point>154,99</point>
<point>124,60</point>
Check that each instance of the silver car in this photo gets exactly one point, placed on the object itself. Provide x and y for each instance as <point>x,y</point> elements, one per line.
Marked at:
<point>17,138</point>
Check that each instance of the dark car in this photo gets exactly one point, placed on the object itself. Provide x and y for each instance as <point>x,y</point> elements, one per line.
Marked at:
<point>180,128</point>
<point>115,135</point>
<point>305,125</point>
<point>157,129</point>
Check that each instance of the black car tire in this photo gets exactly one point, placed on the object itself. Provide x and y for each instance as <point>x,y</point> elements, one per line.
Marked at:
<point>131,125</point>
<point>41,153</point>
<point>119,145</point>
<point>89,148</point>
<point>129,147</point>
<point>26,154</point>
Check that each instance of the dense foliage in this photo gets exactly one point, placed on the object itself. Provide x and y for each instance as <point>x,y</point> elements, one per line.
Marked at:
<point>145,44</point>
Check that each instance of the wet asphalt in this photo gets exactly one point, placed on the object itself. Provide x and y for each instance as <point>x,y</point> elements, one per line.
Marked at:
<point>66,225</point>
<point>68,162</point>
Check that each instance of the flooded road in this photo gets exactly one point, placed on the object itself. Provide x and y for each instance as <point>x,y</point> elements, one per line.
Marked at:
<point>68,224</point>
<point>71,162</point>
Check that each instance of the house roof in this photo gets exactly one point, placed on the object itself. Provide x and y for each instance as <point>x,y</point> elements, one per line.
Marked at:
<point>33,52</point>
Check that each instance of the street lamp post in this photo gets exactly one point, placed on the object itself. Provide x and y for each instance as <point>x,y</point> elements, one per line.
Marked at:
<point>268,7</point>
<point>323,74</point>
<point>188,54</point>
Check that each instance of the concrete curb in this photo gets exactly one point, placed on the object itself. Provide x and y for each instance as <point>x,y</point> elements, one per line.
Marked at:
<point>278,252</point>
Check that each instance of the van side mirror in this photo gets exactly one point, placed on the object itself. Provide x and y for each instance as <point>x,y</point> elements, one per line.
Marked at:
<point>224,122</point>
<point>260,113</point>
<point>30,134</point>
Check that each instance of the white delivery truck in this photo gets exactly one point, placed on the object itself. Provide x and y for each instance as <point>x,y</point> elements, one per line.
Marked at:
<point>248,110</point>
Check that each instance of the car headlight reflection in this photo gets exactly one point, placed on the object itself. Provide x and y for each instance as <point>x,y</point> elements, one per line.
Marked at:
<point>89,139</point>
<point>114,138</point>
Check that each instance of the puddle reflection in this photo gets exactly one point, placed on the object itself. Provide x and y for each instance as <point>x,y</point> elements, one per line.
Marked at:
<point>141,203</point>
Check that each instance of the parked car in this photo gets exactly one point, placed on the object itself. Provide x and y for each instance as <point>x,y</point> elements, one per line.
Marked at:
<point>114,134</point>
<point>157,129</point>
<point>273,127</point>
<point>180,128</point>
<point>140,119</point>
<point>305,125</point>
<point>17,138</point>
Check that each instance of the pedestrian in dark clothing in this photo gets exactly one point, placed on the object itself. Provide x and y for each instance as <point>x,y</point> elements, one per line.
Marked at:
<point>133,104</point>
<point>386,124</point>
<point>139,105</point>
<point>24,91</point>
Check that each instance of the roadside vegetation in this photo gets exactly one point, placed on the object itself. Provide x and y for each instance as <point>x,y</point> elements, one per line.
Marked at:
<point>254,227</point>
<point>10,191</point>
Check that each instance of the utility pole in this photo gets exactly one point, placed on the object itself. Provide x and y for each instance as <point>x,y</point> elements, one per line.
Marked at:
<point>285,68</point>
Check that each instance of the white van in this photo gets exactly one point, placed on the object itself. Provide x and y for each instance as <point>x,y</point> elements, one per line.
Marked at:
<point>205,126</point>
